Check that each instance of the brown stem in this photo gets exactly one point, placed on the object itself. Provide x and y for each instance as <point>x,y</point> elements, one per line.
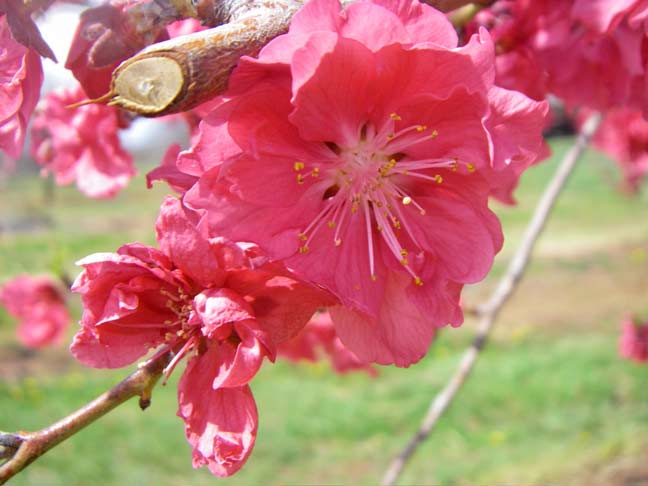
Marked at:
<point>25,447</point>
<point>449,5</point>
<point>490,311</point>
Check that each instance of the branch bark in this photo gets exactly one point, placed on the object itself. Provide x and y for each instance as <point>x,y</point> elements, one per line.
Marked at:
<point>23,448</point>
<point>491,309</point>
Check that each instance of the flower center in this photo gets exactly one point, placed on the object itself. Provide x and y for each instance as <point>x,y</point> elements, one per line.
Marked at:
<point>370,178</point>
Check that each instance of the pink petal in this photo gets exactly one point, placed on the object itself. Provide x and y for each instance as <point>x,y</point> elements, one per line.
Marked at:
<point>400,335</point>
<point>221,424</point>
<point>187,248</point>
<point>282,304</point>
<point>218,307</point>
<point>336,73</point>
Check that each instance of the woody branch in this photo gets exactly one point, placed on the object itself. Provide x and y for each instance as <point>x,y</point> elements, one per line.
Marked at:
<point>490,310</point>
<point>22,448</point>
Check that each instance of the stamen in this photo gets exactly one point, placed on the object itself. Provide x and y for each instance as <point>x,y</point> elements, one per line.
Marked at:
<point>369,238</point>
<point>299,166</point>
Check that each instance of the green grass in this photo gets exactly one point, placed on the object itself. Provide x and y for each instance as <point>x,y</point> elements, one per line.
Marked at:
<point>549,402</point>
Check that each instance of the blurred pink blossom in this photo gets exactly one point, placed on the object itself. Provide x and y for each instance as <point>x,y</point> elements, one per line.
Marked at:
<point>21,77</point>
<point>633,343</point>
<point>39,304</point>
<point>589,53</point>
<point>216,302</point>
<point>318,337</point>
<point>623,135</point>
<point>81,144</point>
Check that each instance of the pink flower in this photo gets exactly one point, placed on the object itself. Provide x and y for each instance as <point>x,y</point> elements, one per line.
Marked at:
<point>38,303</point>
<point>633,343</point>
<point>319,336</point>
<point>81,144</point>
<point>21,77</point>
<point>623,135</point>
<point>589,53</point>
<point>218,302</point>
<point>364,157</point>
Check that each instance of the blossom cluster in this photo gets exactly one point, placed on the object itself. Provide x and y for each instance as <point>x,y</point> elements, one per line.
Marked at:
<point>334,199</point>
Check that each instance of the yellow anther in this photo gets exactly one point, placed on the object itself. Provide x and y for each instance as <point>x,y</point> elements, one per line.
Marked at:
<point>331,224</point>
<point>407,200</point>
<point>395,117</point>
<point>435,133</point>
<point>302,236</point>
<point>298,165</point>
<point>300,179</point>
<point>315,172</point>
<point>421,128</point>
<point>379,228</point>
<point>470,167</point>
<point>338,242</point>
<point>168,336</point>
<point>403,252</point>
<point>303,249</point>
<point>396,224</point>
<point>390,136</point>
<point>418,281</point>
<point>379,204</point>
<point>404,261</point>
<point>455,165</point>
<point>438,178</point>
<point>374,278</point>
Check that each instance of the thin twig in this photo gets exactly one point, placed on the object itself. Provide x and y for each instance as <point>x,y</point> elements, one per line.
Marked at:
<point>25,447</point>
<point>490,311</point>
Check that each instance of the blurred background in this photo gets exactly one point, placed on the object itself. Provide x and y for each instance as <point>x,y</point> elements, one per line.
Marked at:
<point>550,401</point>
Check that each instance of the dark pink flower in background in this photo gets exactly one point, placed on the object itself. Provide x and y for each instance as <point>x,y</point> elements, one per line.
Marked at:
<point>364,158</point>
<point>39,304</point>
<point>589,53</point>
<point>81,144</point>
<point>218,303</point>
<point>318,339</point>
<point>623,136</point>
<point>633,343</point>
<point>21,77</point>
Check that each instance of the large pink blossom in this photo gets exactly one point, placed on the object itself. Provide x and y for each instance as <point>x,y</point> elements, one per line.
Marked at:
<point>21,77</point>
<point>81,144</point>
<point>623,135</point>
<point>39,304</point>
<point>219,303</point>
<point>633,343</point>
<point>364,158</point>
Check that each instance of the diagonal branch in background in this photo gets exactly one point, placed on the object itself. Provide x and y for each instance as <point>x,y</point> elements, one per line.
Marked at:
<point>490,310</point>
<point>23,448</point>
